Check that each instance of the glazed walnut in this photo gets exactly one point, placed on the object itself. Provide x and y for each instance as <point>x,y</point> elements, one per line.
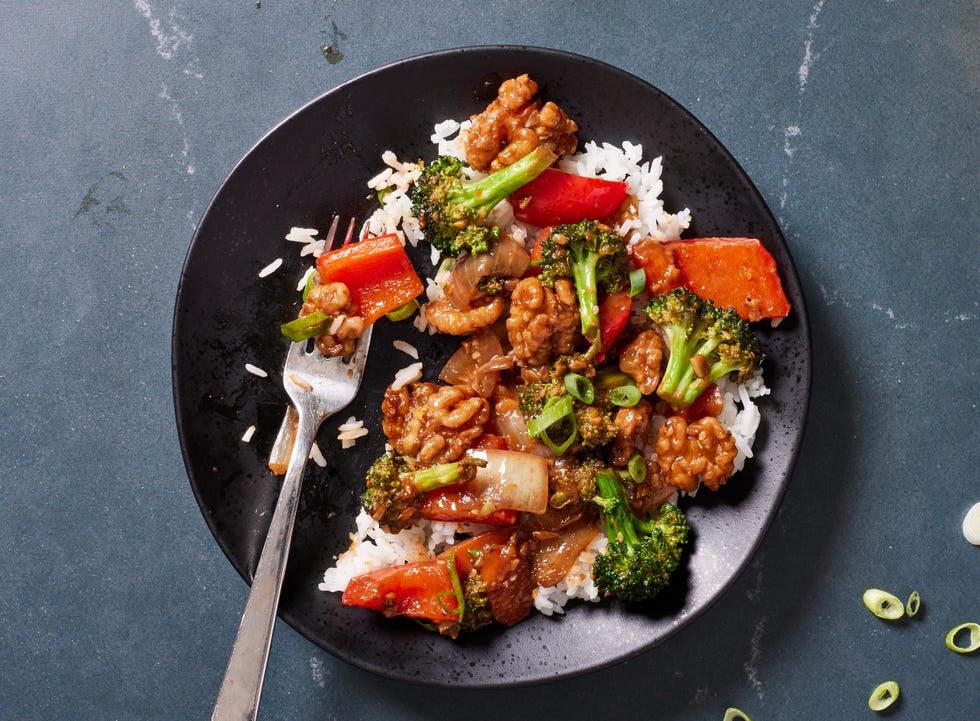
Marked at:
<point>447,318</point>
<point>543,323</point>
<point>436,423</point>
<point>633,423</point>
<point>345,326</point>
<point>702,449</point>
<point>514,124</point>
<point>642,360</point>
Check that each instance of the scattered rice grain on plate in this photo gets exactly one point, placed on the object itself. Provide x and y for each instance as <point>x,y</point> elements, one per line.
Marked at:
<point>306,276</point>
<point>316,456</point>
<point>406,348</point>
<point>256,371</point>
<point>408,374</point>
<point>271,268</point>
<point>349,431</point>
<point>301,235</point>
<point>249,432</point>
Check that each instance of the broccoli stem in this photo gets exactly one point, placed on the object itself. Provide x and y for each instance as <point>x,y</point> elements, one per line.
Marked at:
<point>483,195</point>
<point>615,506</point>
<point>586,288</point>
<point>443,474</point>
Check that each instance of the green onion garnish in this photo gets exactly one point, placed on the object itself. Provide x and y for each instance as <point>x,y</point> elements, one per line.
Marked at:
<point>637,468</point>
<point>310,282</point>
<point>883,604</point>
<point>309,326</point>
<point>971,630</point>
<point>580,387</point>
<point>734,714</point>
<point>884,695</point>
<point>457,591</point>
<point>403,311</point>
<point>625,396</point>
<point>557,411</point>
<point>913,604</point>
<point>638,281</point>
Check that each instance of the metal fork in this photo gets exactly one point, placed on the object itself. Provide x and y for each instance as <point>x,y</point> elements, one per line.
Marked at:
<point>318,387</point>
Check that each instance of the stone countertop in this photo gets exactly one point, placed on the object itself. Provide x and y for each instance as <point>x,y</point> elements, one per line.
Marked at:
<point>858,122</point>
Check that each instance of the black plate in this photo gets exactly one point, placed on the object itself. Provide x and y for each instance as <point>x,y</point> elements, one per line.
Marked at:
<point>316,163</point>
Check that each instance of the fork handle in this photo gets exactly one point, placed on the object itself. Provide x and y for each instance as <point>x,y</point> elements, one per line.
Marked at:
<point>241,689</point>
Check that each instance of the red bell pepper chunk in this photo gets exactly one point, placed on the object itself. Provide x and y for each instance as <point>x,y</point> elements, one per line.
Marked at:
<point>377,272</point>
<point>734,273</point>
<point>614,313</point>
<point>555,197</point>
<point>459,504</point>
<point>412,589</point>
<point>423,589</point>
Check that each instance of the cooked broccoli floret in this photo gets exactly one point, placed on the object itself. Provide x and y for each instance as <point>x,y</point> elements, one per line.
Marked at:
<point>705,342</point>
<point>595,257</point>
<point>395,485</point>
<point>452,210</point>
<point>642,554</point>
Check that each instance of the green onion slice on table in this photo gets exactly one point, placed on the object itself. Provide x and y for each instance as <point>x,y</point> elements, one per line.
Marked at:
<point>913,604</point>
<point>884,695</point>
<point>883,604</point>
<point>972,632</point>
<point>734,714</point>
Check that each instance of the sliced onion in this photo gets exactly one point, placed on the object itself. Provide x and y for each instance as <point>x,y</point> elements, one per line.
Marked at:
<point>510,423</point>
<point>477,363</point>
<point>506,258</point>
<point>553,557</point>
<point>283,446</point>
<point>512,480</point>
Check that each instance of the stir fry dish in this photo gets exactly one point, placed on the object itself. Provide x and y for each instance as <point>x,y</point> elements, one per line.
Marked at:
<point>605,368</point>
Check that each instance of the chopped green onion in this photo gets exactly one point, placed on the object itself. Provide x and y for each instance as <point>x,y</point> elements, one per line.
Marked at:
<point>883,604</point>
<point>556,411</point>
<point>884,695</point>
<point>625,396</point>
<point>637,468</point>
<point>913,604</point>
<point>310,282</point>
<point>734,714</point>
<point>972,630</point>
<point>457,591</point>
<point>403,311</point>
<point>638,281</point>
<point>309,326</point>
<point>579,387</point>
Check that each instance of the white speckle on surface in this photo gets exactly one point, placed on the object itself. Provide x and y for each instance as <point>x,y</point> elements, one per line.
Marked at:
<point>169,35</point>
<point>808,56</point>
<point>316,672</point>
<point>751,666</point>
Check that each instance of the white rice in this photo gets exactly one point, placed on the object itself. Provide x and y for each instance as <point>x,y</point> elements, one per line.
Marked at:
<point>350,431</point>
<point>249,432</point>
<point>406,348</point>
<point>256,371</point>
<point>271,268</point>
<point>317,456</point>
<point>371,548</point>
<point>408,374</point>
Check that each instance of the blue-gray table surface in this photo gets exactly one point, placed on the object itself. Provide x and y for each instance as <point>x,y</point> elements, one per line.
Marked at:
<point>858,122</point>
